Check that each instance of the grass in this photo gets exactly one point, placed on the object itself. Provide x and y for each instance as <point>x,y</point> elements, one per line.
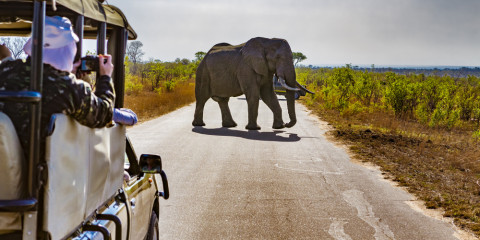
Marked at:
<point>439,166</point>
<point>148,104</point>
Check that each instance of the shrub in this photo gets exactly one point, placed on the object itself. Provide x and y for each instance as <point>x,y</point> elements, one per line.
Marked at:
<point>170,85</point>
<point>397,93</point>
<point>132,86</point>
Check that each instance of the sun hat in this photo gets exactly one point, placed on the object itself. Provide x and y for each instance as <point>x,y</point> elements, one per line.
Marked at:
<point>59,44</point>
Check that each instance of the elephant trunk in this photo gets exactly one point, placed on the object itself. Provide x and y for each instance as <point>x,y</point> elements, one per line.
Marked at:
<point>288,81</point>
<point>303,88</point>
<point>290,95</point>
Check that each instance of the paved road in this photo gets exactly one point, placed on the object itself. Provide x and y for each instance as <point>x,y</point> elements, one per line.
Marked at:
<point>272,184</point>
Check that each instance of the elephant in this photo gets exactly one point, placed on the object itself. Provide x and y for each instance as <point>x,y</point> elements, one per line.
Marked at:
<point>230,71</point>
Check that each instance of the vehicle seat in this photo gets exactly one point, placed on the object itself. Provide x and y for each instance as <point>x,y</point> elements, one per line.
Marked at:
<point>11,162</point>
<point>85,168</point>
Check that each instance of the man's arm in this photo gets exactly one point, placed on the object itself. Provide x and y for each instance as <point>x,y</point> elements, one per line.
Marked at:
<point>93,109</point>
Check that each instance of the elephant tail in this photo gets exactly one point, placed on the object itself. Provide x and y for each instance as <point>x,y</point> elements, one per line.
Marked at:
<point>202,81</point>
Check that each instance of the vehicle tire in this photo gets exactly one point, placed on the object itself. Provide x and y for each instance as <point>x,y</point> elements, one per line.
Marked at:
<point>152,233</point>
<point>297,95</point>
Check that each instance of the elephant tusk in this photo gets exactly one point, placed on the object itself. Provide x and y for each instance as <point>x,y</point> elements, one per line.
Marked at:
<point>304,89</point>
<point>282,82</point>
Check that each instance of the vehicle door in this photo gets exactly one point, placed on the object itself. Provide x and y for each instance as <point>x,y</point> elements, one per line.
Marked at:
<point>141,192</point>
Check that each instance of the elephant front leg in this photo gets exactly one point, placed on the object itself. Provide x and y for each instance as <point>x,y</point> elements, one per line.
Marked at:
<point>252,102</point>
<point>227,120</point>
<point>270,99</point>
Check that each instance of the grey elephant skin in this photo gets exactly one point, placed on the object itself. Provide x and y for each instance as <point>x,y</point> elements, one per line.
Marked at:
<point>229,71</point>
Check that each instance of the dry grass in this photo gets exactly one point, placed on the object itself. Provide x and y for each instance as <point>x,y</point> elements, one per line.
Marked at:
<point>440,166</point>
<point>148,104</point>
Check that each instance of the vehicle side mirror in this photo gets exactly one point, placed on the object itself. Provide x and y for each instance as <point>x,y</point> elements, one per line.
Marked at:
<point>150,163</point>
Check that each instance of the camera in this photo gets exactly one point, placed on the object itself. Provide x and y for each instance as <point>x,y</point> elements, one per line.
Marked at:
<point>89,63</point>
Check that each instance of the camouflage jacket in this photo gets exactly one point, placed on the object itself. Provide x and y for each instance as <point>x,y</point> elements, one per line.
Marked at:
<point>62,93</point>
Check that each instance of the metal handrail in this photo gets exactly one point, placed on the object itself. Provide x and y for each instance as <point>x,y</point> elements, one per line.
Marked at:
<point>18,205</point>
<point>21,96</point>
<point>116,220</point>
<point>97,228</point>
<point>36,84</point>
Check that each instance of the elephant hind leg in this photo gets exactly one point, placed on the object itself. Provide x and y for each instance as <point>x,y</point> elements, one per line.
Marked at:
<point>227,120</point>
<point>198,117</point>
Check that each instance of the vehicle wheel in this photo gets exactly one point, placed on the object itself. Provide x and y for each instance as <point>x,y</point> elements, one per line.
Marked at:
<point>297,95</point>
<point>152,233</point>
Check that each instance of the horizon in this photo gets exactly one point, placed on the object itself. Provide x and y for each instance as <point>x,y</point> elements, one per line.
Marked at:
<point>90,45</point>
<point>391,66</point>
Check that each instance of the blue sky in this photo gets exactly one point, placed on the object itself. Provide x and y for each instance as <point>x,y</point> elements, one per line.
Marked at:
<point>380,32</point>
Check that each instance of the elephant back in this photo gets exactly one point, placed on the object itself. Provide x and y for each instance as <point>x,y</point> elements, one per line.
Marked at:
<point>220,47</point>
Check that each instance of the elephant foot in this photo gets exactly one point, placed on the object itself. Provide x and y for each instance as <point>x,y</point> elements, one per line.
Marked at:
<point>278,125</point>
<point>198,123</point>
<point>252,127</point>
<point>290,124</point>
<point>229,124</point>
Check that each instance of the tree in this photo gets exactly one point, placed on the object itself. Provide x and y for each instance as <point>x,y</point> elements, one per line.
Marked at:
<point>15,44</point>
<point>298,57</point>
<point>185,61</point>
<point>135,52</point>
<point>156,73</point>
<point>199,56</point>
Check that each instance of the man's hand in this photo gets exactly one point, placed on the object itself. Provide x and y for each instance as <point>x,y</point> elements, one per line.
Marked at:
<point>75,66</point>
<point>106,67</point>
<point>78,74</point>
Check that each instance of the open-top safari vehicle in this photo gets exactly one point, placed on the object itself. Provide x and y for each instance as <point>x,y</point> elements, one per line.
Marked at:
<point>281,90</point>
<point>89,184</point>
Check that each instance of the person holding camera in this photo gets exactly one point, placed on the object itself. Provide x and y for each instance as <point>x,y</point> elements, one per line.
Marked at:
<point>62,91</point>
<point>88,64</point>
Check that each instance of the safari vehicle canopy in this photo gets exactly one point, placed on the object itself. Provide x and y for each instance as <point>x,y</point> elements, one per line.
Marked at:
<point>80,185</point>
<point>91,18</point>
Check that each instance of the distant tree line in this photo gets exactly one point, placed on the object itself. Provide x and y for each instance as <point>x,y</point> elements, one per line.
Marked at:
<point>461,72</point>
<point>455,72</point>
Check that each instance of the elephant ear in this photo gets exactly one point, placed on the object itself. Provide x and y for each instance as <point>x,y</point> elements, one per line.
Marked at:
<point>253,54</point>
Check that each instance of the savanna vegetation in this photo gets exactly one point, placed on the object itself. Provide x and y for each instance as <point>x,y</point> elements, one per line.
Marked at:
<point>422,130</point>
<point>154,87</point>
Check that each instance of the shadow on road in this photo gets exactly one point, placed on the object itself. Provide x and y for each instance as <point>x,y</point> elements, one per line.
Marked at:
<point>244,99</point>
<point>252,135</point>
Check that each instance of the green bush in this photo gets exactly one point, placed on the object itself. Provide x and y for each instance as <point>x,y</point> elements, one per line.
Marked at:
<point>132,87</point>
<point>436,101</point>
<point>170,85</point>
<point>401,94</point>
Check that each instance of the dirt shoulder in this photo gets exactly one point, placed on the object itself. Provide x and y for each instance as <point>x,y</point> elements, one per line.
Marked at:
<point>442,172</point>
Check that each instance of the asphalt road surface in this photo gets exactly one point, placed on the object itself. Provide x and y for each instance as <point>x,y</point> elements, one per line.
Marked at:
<point>273,184</point>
